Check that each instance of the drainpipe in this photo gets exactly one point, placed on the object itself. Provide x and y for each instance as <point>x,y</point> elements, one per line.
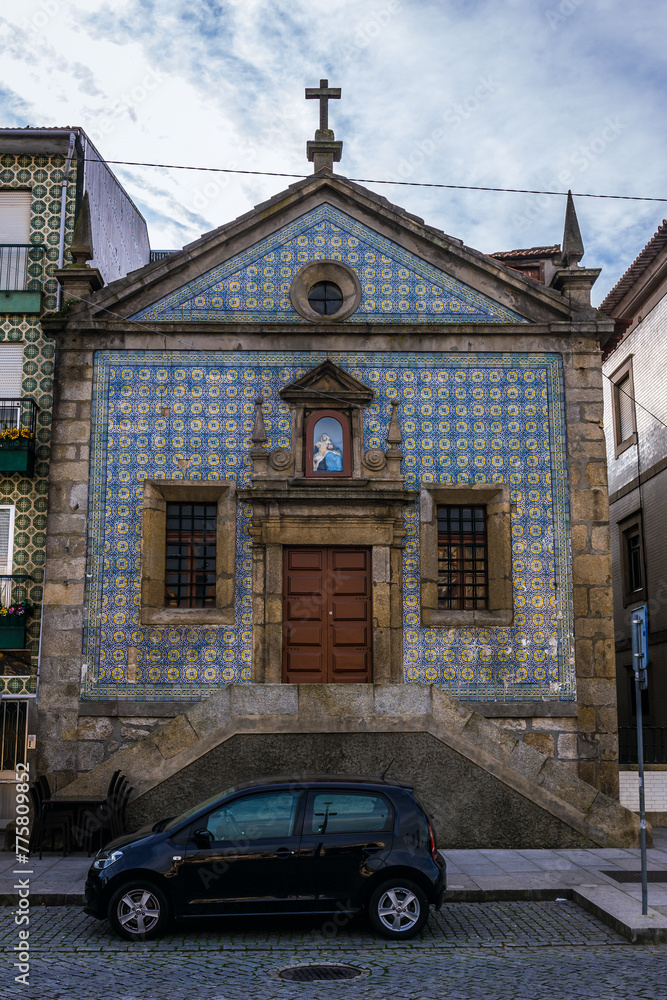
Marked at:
<point>63,205</point>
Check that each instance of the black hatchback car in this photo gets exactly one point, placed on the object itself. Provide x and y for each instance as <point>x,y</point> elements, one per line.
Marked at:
<point>306,845</point>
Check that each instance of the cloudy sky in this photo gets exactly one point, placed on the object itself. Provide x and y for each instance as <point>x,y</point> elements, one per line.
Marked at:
<point>545,94</point>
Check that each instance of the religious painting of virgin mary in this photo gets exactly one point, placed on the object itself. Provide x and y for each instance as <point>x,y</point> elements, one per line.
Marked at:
<point>328,449</point>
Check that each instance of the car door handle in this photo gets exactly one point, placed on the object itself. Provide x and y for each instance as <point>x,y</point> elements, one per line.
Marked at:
<point>284,852</point>
<point>373,848</point>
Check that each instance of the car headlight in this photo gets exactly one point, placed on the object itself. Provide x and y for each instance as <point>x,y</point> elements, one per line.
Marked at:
<point>105,859</point>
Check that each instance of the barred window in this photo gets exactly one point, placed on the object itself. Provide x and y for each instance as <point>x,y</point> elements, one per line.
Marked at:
<point>191,542</point>
<point>462,558</point>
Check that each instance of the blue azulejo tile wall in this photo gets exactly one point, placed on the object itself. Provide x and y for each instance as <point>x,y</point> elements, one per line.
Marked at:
<point>396,285</point>
<point>465,418</point>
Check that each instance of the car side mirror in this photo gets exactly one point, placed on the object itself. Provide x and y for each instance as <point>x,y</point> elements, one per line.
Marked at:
<point>202,838</point>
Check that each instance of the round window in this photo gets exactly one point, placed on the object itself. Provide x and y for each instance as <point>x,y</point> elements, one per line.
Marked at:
<point>325,298</point>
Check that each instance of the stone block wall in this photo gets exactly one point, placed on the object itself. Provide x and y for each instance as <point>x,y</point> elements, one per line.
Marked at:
<point>597,731</point>
<point>586,743</point>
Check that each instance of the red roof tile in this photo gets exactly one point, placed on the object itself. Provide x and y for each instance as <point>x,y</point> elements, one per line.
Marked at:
<point>635,271</point>
<point>538,252</point>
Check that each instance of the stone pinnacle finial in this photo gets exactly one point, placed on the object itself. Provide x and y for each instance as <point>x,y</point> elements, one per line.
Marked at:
<point>394,455</point>
<point>394,438</point>
<point>258,431</point>
<point>573,245</point>
<point>82,238</point>
<point>323,151</point>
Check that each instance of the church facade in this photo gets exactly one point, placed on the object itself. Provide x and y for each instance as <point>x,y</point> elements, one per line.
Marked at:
<point>327,466</point>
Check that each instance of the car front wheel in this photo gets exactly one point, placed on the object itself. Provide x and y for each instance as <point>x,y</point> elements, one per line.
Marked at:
<point>138,911</point>
<point>398,909</point>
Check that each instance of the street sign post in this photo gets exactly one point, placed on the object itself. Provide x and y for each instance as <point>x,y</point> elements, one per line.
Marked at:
<point>640,664</point>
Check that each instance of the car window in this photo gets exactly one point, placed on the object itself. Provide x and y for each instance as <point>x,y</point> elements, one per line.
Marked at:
<point>177,820</point>
<point>255,817</point>
<point>348,812</point>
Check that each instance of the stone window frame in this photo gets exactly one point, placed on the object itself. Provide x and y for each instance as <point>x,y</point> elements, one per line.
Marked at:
<point>495,497</point>
<point>325,270</point>
<point>157,493</point>
<point>334,515</point>
<point>625,370</point>
<point>631,523</point>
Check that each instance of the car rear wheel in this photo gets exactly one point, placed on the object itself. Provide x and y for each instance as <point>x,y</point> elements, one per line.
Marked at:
<point>138,911</point>
<point>398,909</point>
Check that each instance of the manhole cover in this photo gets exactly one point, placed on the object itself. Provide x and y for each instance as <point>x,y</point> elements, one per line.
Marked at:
<point>312,973</point>
<point>635,877</point>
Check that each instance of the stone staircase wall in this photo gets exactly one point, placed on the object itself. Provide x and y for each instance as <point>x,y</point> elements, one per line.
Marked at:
<point>483,785</point>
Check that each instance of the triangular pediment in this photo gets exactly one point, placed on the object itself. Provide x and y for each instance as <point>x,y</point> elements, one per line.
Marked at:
<point>397,285</point>
<point>327,380</point>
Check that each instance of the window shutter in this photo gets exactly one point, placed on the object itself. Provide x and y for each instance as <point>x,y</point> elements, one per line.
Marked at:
<point>15,216</point>
<point>6,552</point>
<point>6,540</point>
<point>625,408</point>
<point>11,370</point>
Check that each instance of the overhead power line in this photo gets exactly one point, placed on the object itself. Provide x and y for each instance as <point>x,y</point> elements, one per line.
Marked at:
<point>369,180</point>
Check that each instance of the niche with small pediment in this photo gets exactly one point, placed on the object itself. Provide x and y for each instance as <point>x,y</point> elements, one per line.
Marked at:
<point>327,405</point>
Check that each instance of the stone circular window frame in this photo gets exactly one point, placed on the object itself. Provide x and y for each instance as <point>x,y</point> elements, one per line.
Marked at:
<point>325,270</point>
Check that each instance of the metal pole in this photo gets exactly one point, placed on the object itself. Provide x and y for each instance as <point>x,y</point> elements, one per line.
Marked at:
<point>642,805</point>
<point>640,666</point>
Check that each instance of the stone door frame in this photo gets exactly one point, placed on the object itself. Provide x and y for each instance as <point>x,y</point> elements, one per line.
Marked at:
<point>330,516</point>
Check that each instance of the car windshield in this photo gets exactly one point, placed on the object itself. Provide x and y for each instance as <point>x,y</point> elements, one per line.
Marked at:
<point>184,817</point>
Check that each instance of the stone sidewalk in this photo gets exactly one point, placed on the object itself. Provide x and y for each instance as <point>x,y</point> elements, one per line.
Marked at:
<point>584,876</point>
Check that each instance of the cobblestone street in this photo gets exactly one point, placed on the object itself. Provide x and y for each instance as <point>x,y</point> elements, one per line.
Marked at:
<point>494,950</point>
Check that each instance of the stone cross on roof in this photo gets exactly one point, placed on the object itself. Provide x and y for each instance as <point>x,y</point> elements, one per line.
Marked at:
<point>323,151</point>
<point>324,93</point>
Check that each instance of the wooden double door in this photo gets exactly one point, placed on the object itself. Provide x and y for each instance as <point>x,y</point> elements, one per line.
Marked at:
<point>327,615</point>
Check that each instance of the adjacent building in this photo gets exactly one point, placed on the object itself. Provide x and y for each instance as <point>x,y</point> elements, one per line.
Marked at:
<point>635,360</point>
<point>46,174</point>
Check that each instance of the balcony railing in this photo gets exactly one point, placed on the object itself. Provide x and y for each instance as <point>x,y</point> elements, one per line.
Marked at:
<point>14,610</point>
<point>161,254</point>
<point>655,745</point>
<point>18,427</point>
<point>21,266</point>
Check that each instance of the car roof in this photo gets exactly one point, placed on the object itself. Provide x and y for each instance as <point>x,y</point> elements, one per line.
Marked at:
<point>322,779</point>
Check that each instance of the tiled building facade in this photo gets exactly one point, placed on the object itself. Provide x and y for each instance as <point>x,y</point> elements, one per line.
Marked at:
<point>41,174</point>
<point>479,419</point>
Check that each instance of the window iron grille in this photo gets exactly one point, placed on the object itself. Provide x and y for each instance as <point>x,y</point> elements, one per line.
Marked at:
<point>14,591</point>
<point>190,557</point>
<point>462,558</point>
<point>655,744</point>
<point>17,414</point>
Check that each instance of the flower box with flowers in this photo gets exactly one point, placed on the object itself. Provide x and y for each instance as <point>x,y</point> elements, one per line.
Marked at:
<point>12,625</point>
<point>16,449</point>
